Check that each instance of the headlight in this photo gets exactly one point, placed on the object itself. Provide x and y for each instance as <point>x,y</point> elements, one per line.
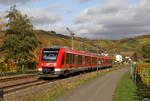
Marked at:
<point>40,69</point>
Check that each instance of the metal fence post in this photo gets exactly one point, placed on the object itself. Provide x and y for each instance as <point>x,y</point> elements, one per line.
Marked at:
<point>1,95</point>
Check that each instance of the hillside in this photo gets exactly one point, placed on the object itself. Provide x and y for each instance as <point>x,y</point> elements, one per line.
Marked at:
<point>82,44</point>
<point>131,45</point>
<point>53,39</point>
<point>125,46</point>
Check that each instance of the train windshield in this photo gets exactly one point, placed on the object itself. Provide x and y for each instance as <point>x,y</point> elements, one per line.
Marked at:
<point>50,55</point>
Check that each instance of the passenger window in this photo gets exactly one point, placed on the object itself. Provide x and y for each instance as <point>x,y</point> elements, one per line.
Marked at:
<point>71,56</point>
<point>62,62</point>
<point>76,59</point>
<point>83,60</point>
<point>87,60</point>
<point>67,58</point>
<point>73,59</point>
<point>79,60</point>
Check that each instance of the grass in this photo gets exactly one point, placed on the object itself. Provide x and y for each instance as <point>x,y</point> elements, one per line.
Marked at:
<point>59,90</point>
<point>126,89</point>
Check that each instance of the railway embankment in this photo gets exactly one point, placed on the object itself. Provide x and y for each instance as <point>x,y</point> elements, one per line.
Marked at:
<point>52,90</point>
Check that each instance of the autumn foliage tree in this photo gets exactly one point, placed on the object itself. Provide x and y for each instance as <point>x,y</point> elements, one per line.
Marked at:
<point>135,57</point>
<point>146,51</point>
<point>20,40</point>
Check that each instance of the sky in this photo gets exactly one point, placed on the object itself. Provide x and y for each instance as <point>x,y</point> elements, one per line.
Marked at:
<point>94,19</point>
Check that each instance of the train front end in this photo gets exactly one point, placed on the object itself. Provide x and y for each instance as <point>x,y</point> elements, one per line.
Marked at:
<point>48,60</point>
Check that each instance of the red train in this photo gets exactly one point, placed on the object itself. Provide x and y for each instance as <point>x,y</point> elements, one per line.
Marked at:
<point>60,60</point>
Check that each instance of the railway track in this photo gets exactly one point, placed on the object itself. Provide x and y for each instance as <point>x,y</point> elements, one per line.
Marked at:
<point>17,73</point>
<point>11,88</point>
<point>8,86</point>
<point>13,84</point>
<point>16,87</point>
<point>17,78</point>
<point>7,90</point>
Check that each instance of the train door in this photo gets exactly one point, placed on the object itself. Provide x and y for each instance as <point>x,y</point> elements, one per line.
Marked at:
<point>63,61</point>
<point>80,60</point>
<point>67,60</point>
<point>83,61</point>
<point>73,59</point>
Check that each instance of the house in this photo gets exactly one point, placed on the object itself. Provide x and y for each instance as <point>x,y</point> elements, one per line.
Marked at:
<point>119,58</point>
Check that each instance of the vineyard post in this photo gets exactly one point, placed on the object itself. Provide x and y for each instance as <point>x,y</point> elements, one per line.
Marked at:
<point>132,67</point>
<point>1,95</point>
<point>131,71</point>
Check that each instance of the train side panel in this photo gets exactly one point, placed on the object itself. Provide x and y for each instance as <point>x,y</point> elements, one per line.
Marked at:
<point>69,61</point>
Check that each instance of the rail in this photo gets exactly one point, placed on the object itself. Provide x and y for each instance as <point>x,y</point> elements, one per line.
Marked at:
<point>7,89</point>
<point>17,78</point>
<point>3,74</point>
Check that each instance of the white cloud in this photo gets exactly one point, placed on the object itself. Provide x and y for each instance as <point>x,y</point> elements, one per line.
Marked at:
<point>42,16</point>
<point>11,2</point>
<point>115,20</point>
<point>84,1</point>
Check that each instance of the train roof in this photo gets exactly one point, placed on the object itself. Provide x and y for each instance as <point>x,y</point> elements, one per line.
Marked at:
<point>80,52</point>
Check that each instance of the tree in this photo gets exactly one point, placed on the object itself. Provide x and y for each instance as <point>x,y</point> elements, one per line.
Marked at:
<point>146,51</point>
<point>20,40</point>
<point>135,57</point>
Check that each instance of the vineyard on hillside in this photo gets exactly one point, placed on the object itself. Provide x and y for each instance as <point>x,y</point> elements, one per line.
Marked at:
<point>142,80</point>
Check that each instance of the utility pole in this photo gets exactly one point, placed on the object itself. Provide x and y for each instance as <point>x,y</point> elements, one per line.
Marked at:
<point>72,35</point>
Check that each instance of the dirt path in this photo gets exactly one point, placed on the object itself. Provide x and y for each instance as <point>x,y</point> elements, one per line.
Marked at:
<point>100,89</point>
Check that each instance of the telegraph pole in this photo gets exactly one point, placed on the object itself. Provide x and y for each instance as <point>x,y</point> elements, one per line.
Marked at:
<point>72,35</point>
